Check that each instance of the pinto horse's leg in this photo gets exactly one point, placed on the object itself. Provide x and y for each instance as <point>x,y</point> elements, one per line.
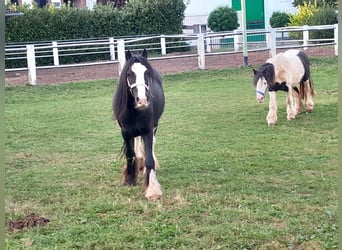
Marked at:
<point>290,109</point>
<point>153,189</point>
<point>308,92</point>
<point>298,101</point>
<point>273,109</point>
<point>130,170</point>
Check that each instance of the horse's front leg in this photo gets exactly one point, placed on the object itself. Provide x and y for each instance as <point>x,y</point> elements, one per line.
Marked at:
<point>290,105</point>
<point>130,170</point>
<point>298,101</point>
<point>273,109</point>
<point>153,189</point>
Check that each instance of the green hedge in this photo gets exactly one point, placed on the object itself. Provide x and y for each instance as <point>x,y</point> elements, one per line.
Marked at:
<point>139,17</point>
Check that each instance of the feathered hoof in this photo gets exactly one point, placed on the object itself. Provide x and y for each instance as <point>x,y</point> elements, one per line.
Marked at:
<point>291,116</point>
<point>128,179</point>
<point>271,122</point>
<point>153,195</point>
<point>153,191</point>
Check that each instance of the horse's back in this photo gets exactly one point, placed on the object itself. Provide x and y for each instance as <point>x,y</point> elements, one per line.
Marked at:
<point>290,67</point>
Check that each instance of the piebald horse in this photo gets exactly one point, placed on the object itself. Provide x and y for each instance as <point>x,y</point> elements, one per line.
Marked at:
<point>286,71</point>
<point>138,103</point>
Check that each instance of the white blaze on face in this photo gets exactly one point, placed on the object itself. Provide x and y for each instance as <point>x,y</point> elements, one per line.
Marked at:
<point>139,71</point>
<point>261,88</point>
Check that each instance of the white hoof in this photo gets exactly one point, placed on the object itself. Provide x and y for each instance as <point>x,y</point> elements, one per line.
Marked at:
<point>153,191</point>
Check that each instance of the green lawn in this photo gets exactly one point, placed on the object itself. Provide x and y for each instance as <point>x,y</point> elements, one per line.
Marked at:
<point>229,180</point>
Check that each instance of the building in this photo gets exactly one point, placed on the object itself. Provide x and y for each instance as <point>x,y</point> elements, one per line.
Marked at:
<point>258,12</point>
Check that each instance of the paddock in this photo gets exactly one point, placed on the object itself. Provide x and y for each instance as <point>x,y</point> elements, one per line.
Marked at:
<point>229,181</point>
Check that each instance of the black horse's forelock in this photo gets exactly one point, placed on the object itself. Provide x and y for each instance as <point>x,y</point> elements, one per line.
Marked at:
<point>267,71</point>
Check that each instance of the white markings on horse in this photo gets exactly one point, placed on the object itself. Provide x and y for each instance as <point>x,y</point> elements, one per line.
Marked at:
<point>261,88</point>
<point>139,71</point>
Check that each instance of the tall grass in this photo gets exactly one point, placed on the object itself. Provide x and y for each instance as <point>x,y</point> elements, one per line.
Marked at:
<point>229,180</point>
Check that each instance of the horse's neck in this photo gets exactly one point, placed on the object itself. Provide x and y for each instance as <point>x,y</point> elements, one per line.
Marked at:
<point>281,64</point>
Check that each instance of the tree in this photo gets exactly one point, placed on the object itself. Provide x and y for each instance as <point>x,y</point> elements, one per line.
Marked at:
<point>223,19</point>
<point>119,4</point>
<point>279,19</point>
<point>317,3</point>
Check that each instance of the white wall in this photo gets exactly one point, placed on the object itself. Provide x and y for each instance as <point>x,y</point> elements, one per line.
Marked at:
<point>197,11</point>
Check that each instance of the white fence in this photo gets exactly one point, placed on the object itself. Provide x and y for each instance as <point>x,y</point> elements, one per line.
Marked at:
<point>163,46</point>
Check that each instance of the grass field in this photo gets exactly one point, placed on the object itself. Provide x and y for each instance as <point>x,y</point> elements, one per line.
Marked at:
<point>229,180</point>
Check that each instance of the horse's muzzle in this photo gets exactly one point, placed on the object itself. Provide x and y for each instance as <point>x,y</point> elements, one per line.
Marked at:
<point>141,103</point>
<point>260,98</point>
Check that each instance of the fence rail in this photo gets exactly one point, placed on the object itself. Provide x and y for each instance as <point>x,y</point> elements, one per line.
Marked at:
<point>163,46</point>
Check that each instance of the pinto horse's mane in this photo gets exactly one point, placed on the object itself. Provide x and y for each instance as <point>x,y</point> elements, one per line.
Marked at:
<point>267,71</point>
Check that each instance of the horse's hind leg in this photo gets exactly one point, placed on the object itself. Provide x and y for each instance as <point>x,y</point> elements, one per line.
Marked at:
<point>139,153</point>
<point>308,90</point>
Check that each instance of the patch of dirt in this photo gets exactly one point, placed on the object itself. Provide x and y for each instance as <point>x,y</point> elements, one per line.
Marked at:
<point>164,66</point>
<point>31,220</point>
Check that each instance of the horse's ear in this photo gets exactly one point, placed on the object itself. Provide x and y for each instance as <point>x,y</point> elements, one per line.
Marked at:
<point>254,71</point>
<point>128,55</point>
<point>144,53</point>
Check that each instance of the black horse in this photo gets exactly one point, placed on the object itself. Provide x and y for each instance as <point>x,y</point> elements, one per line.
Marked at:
<point>138,103</point>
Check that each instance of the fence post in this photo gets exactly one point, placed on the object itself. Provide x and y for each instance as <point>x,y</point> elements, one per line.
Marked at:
<point>112,49</point>
<point>305,36</point>
<point>208,44</point>
<point>272,42</point>
<point>201,51</point>
<point>121,54</point>
<point>336,38</point>
<point>31,64</point>
<point>236,37</point>
<point>55,53</point>
<point>163,45</point>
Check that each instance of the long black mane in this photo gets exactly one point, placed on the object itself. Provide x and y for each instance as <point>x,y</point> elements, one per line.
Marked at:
<point>267,71</point>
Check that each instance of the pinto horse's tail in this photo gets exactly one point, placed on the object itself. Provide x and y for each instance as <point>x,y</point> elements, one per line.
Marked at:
<point>306,79</point>
<point>302,88</point>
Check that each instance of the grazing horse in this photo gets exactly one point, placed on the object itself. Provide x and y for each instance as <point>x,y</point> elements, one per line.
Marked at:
<point>138,103</point>
<point>286,71</point>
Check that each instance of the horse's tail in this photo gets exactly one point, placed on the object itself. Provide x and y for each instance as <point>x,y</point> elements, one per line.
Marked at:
<point>302,88</point>
<point>306,79</point>
<point>123,150</point>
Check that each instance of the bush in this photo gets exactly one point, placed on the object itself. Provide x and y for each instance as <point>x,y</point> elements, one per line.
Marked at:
<point>223,19</point>
<point>325,15</point>
<point>139,17</point>
<point>279,19</point>
<point>302,17</point>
